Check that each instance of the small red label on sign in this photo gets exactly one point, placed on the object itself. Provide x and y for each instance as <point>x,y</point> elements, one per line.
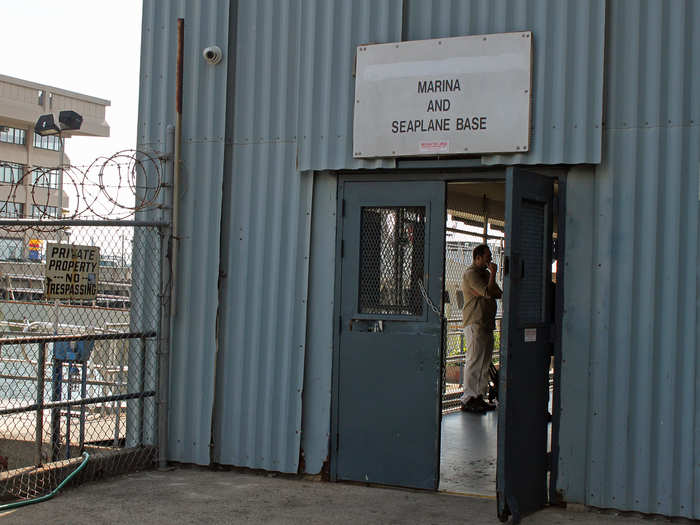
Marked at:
<point>438,146</point>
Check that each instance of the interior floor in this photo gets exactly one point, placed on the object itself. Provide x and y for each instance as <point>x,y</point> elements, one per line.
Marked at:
<point>468,453</point>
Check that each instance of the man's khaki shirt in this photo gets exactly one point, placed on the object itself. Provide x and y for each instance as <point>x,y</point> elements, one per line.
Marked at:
<point>478,309</point>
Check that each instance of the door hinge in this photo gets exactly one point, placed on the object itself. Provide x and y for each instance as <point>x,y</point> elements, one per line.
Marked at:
<point>549,461</point>
<point>342,208</point>
<point>337,442</point>
<point>342,249</point>
<point>340,323</point>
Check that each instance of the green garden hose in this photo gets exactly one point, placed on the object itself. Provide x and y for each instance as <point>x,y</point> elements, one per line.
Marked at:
<point>51,494</point>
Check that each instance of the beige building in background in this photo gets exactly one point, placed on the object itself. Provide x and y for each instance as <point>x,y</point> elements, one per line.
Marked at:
<point>29,178</point>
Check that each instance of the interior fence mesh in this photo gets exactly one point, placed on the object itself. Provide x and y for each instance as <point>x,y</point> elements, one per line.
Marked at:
<point>95,389</point>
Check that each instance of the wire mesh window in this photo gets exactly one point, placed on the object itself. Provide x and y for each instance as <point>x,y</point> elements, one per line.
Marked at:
<point>392,252</point>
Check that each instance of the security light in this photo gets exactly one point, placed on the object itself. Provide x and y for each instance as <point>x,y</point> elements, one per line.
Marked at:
<point>70,120</point>
<point>46,126</point>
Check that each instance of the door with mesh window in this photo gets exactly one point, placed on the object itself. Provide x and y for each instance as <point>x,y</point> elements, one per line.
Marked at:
<point>387,373</point>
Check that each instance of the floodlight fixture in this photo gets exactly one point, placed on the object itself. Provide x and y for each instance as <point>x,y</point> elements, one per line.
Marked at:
<point>70,120</point>
<point>46,126</point>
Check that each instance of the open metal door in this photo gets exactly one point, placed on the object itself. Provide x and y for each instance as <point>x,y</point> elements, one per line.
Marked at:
<point>526,345</point>
<point>387,365</point>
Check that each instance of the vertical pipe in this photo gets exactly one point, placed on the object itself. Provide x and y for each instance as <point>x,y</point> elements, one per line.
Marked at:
<point>56,372</point>
<point>68,410</point>
<point>61,144</point>
<point>164,323</point>
<point>83,395</point>
<point>40,377</point>
<point>178,159</point>
<point>142,389</point>
<point>486,220</point>
<point>120,382</point>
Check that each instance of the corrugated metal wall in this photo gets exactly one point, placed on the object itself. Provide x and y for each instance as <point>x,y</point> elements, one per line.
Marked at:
<point>331,31</point>
<point>567,78</point>
<point>293,113</point>
<point>630,428</point>
<point>265,248</point>
<point>193,338</point>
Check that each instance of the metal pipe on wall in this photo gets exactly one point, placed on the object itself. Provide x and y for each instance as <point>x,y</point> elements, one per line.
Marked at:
<point>166,276</point>
<point>177,160</point>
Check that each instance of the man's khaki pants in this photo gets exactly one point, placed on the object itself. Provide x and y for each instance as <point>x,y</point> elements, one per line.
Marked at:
<point>479,344</point>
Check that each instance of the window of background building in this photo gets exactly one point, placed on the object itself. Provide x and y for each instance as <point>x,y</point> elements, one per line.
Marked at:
<point>11,209</point>
<point>39,211</point>
<point>12,135</point>
<point>11,172</point>
<point>47,142</point>
<point>10,249</point>
<point>46,178</point>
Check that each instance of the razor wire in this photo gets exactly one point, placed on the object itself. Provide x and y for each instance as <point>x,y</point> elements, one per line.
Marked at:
<point>114,187</point>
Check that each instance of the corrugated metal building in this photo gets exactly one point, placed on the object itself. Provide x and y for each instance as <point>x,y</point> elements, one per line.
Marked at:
<point>615,99</point>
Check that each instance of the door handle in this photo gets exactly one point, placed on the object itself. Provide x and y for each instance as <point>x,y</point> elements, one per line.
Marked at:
<point>367,325</point>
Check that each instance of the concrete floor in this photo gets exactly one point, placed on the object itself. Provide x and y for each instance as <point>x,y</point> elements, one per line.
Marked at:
<point>193,495</point>
<point>468,453</point>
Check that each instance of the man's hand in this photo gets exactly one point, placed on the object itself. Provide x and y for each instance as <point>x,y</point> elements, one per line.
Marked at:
<point>493,268</point>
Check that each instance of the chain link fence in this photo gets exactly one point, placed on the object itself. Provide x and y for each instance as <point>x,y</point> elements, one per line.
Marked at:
<point>458,257</point>
<point>80,314</point>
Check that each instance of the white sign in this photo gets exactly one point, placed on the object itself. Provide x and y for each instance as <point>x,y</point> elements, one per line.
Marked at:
<point>72,271</point>
<point>448,96</point>
<point>530,335</point>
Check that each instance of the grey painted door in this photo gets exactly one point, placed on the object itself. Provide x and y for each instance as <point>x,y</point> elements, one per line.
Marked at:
<point>387,398</point>
<point>525,345</point>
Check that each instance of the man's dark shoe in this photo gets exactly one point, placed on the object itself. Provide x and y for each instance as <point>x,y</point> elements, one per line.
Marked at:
<point>474,405</point>
<point>487,405</point>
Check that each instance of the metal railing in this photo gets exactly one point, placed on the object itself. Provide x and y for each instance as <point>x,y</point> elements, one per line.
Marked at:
<point>56,382</point>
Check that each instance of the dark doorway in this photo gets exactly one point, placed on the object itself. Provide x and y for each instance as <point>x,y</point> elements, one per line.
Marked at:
<point>475,215</point>
<point>394,344</point>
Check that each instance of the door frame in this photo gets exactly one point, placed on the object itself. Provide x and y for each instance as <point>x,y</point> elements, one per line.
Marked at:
<point>446,175</point>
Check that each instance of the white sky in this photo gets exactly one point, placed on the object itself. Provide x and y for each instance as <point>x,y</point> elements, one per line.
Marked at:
<point>88,46</point>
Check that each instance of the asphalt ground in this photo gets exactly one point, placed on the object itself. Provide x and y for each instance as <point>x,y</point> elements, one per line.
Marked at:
<point>200,495</point>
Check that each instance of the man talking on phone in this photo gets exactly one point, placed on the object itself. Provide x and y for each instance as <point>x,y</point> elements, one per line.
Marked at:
<point>479,322</point>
